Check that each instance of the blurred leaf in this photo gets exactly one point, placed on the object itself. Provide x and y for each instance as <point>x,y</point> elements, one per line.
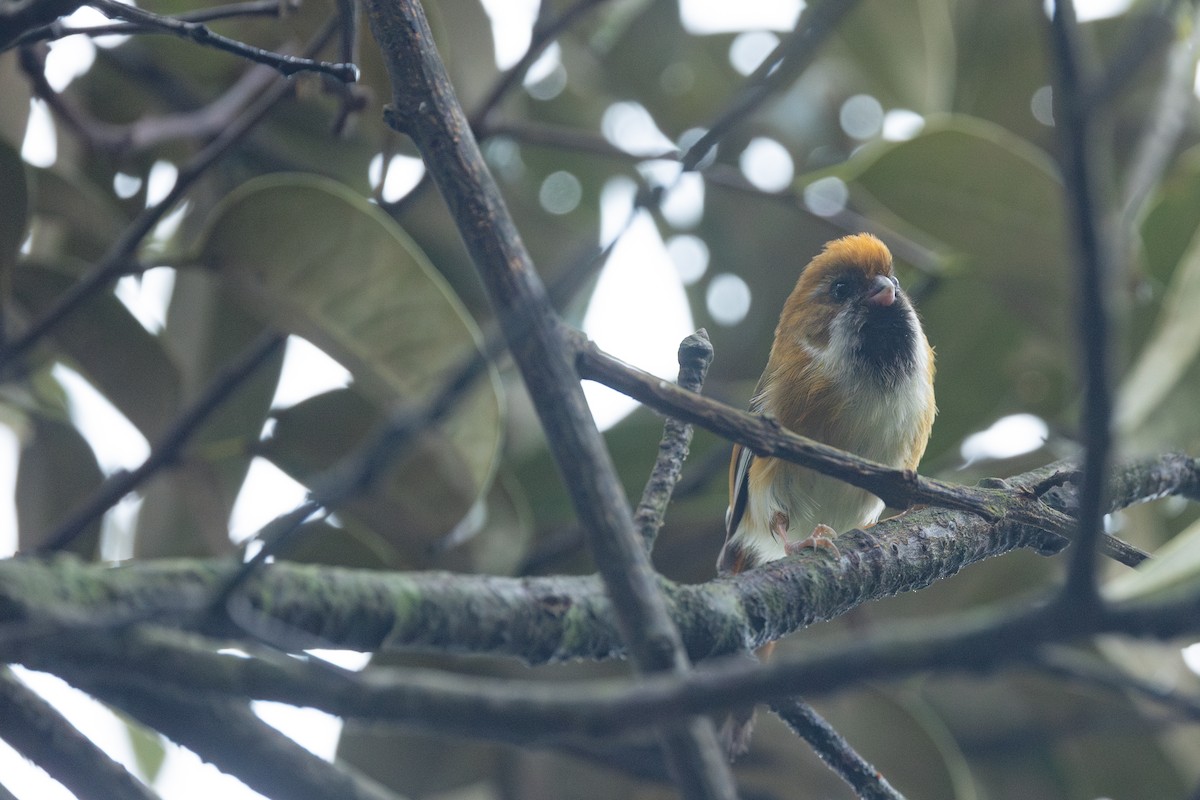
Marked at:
<point>316,260</point>
<point>1002,63</point>
<point>1169,229</point>
<point>186,509</point>
<point>902,53</point>
<point>495,536</point>
<point>411,505</point>
<point>14,210</point>
<point>74,217</point>
<point>57,472</point>
<point>127,363</point>
<point>344,545</point>
<point>14,99</point>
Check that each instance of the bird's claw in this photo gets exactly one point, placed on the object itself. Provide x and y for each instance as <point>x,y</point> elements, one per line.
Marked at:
<point>820,539</point>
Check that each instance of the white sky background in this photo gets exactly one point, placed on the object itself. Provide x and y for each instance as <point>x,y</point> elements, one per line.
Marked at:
<point>639,312</point>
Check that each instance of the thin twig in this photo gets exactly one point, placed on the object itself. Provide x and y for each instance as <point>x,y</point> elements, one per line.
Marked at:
<point>120,254</point>
<point>251,8</point>
<point>286,65</point>
<point>41,734</point>
<point>695,354</point>
<point>1078,136</point>
<point>170,447</point>
<point>868,783</point>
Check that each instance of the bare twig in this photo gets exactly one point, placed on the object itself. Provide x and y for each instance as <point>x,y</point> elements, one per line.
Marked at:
<point>201,34</point>
<point>250,8</point>
<point>695,354</point>
<point>834,750</point>
<point>520,711</point>
<point>1078,136</point>
<point>170,447</point>
<point>38,732</point>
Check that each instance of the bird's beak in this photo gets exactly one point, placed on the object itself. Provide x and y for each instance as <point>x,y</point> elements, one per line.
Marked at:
<point>881,292</point>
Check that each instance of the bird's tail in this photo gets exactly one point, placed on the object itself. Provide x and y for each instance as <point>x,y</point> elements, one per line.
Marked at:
<point>738,726</point>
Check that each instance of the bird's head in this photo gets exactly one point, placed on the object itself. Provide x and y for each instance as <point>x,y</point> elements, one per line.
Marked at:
<point>849,317</point>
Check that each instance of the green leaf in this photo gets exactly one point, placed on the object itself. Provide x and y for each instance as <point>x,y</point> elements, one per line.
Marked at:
<point>314,259</point>
<point>111,348</point>
<point>186,509</point>
<point>902,53</point>
<point>57,472</point>
<point>83,220</point>
<point>412,505</point>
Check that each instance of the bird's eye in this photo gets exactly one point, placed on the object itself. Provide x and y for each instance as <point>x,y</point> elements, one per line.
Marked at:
<point>841,289</point>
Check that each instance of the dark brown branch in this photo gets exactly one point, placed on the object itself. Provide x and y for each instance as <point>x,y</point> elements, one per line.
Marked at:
<point>38,732</point>
<point>425,108</point>
<point>251,8</point>
<point>19,16</point>
<point>1086,210</point>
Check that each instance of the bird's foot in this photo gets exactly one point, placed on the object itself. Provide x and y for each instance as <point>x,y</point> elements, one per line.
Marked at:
<point>821,538</point>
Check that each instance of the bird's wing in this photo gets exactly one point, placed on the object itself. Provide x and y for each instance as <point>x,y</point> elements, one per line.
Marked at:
<point>731,558</point>
<point>739,488</point>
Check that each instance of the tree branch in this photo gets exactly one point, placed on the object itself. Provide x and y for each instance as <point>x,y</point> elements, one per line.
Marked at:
<point>834,750</point>
<point>1078,139</point>
<point>538,620</point>
<point>425,108</point>
<point>38,732</point>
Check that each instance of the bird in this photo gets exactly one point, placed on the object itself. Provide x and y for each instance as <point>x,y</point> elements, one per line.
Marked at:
<point>850,366</point>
